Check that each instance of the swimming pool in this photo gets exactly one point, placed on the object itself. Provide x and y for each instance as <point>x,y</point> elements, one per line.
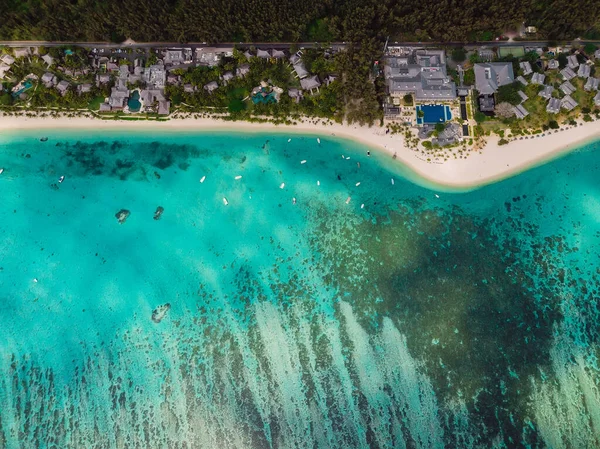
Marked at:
<point>134,102</point>
<point>433,113</point>
<point>26,86</point>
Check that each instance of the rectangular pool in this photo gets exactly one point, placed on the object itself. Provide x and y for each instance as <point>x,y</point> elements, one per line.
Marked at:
<point>433,113</point>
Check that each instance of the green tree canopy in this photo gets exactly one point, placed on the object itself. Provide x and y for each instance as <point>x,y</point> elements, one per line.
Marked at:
<point>480,117</point>
<point>509,93</point>
<point>459,55</point>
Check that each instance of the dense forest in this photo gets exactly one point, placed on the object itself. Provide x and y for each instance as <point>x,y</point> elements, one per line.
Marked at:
<point>291,20</point>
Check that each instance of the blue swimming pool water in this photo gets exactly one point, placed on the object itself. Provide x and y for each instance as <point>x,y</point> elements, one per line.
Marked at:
<point>26,86</point>
<point>426,319</point>
<point>134,102</point>
<point>433,114</point>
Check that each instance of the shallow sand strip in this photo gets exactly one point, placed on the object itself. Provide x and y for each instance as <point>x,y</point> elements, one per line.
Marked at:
<point>491,164</point>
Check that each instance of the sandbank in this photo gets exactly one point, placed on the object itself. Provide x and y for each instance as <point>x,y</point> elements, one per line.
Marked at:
<point>492,163</point>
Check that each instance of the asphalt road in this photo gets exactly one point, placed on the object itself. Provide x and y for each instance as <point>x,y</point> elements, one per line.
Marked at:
<point>277,45</point>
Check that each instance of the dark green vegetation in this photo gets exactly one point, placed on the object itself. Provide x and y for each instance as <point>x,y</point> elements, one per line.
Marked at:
<point>235,96</point>
<point>509,93</point>
<point>465,296</point>
<point>290,20</point>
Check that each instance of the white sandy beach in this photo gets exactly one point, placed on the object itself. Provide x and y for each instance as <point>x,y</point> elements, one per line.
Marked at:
<point>491,164</point>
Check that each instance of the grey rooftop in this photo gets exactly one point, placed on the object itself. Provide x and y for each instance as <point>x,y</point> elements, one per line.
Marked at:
<point>490,76</point>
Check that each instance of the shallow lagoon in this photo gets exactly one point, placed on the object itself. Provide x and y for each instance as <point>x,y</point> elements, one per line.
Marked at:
<point>465,320</point>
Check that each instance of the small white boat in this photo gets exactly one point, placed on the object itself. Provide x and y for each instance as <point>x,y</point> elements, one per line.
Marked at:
<point>343,157</point>
<point>61,179</point>
<point>436,195</point>
<point>202,179</point>
<point>1,170</point>
<point>357,184</point>
<point>238,177</point>
<point>35,280</point>
<point>348,158</point>
<point>318,141</point>
<point>392,181</point>
<point>282,185</point>
<point>347,200</point>
<point>289,140</point>
<point>225,202</point>
<point>362,206</point>
<point>293,200</point>
<point>303,161</point>
<point>318,183</point>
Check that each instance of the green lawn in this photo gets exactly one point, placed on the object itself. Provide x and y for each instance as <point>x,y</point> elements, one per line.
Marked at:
<point>94,105</point>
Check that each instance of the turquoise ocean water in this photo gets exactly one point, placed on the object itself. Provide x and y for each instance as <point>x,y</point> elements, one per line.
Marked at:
<point>464,320</point>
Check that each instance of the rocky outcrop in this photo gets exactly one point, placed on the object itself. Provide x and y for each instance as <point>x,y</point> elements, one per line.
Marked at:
<point>122,215</point>
<point>160,312</point>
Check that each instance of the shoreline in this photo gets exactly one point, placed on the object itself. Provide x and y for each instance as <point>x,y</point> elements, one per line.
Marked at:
<point>491,164</point>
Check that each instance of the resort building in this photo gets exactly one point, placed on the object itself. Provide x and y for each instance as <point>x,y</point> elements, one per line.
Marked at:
<point>263,54</point>
<point>597,99</point>
<point>102,78</point>
<point>567,88</point>
<point>63,87</point>
<point>485,54</point>
<point>330,79</point>
<point>567,73</point>
<point>526,67</point>
<point>568,103</point>
<point>573,63</point>
<point>173,57</point>
<point>295,95</point>
<point>295,57</point>
<point>538,78</point>
<point>553,106</point>
<point>174,80</point>
<point>209,56</point>
<point>553,64</point>
<point>155,76</point>
<point>210,87</point>
<point>189,88</point>
<point>278,54</point>
<point>584,71</point>
<point>300,70</point>
<point>49,60</point>
<point>84,88</point>
<point>118,97</point>
<point>546,92</point>
<point>242,70</point>
<point>151,96</point>
<point>420,72</point>
<point>164,107</point>
<point>522,80</point>
<point>520,112</point>
<point>486,103</point>
<point>4,68</point>
<point>597,54</point>
<point>7,59</point>
<point>490,76</point>
<point>523,96</point>
<point>21,53</point>
<point>310,83</point>
<point>451,134</point>
<point>48,79</point>
<point>591,84</point>
<point>227,76</point>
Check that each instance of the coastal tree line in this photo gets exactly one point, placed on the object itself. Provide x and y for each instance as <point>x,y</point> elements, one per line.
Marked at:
<point>291,20</point>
